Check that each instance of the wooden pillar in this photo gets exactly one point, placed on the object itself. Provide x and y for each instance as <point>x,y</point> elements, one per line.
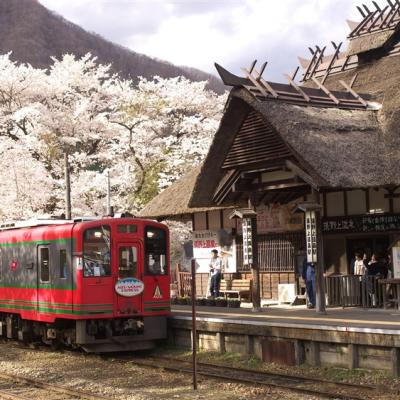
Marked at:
<point>315,358</point>
<point>300,354</point>
<point>255,270</point>
<point>220,339</point>
<point>249,344</point>
<point>352,356</point>
<point>395,353</point>
<point>319,272</point>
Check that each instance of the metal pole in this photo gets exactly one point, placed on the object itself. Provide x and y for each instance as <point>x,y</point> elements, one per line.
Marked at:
<point>194,331</point>
<point>67,188</point>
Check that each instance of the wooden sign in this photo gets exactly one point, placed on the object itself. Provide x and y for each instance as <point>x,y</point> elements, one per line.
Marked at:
<point>361,223</point>
<point>247,241</point>
<point>311,236</point>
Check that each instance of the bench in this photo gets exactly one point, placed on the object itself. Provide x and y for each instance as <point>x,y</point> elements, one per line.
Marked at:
<point>239,287</point>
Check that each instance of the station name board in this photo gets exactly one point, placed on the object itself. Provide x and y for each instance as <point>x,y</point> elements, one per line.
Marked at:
<point>361,223</point>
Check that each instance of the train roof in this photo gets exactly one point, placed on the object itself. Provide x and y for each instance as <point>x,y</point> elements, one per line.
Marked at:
<point>43,222</point>
<point>32,223</point>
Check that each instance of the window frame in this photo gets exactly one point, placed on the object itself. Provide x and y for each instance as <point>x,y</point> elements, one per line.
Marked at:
<point>98,227</point>
<point>40,260</point>
<point>147,253</point>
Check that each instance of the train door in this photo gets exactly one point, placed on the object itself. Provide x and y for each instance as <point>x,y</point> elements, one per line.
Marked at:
<point>43,277</point>
<point>97,294</point>
<point>128,286</point>
<point>156,270</point>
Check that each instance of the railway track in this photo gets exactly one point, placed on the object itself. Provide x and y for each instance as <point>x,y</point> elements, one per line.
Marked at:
<point>301,384</point>
<point>14,387</point>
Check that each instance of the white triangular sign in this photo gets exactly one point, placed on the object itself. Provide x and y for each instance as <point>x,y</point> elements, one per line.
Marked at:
<point>157,293</point>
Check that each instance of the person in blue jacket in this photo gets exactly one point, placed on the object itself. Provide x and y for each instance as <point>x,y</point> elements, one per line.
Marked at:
<point>309,278</point>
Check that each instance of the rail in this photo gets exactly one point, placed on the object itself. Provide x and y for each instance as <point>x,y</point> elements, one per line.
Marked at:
<point>295,383</point>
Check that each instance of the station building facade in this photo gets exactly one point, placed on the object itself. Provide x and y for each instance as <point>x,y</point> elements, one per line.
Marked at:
<point>332,139</point>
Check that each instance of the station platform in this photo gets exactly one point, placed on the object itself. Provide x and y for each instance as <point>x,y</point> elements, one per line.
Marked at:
<point>340,319</point>
<point>293,335</point>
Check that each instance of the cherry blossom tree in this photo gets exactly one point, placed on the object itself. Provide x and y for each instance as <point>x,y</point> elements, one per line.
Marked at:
<point>145,136</point>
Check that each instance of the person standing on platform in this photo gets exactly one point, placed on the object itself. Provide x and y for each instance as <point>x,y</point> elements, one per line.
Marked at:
<point>215,271</point>
<point>309,279</point>
<point>359,266</point>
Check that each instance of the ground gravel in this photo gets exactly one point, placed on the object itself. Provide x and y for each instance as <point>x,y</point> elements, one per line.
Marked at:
<point>118,379</point>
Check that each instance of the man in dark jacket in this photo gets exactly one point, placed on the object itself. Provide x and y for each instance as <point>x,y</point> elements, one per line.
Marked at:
<point>308,275</point>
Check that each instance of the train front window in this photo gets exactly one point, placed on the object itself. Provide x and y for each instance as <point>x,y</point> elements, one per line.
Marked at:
<point>97,251</point>
<point>155,251</point>
<point>127,264</point>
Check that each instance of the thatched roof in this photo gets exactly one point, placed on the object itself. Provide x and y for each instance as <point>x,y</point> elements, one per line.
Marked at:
<point>339,148</point>
<point>370,42</point>
<point>174,200</point>
<point>381,79</point>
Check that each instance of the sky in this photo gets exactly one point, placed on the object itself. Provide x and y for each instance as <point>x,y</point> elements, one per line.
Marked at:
<point>233,33</point>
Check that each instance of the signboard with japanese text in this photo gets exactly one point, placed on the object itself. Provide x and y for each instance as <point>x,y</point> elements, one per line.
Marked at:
<point>207,240</point>
<point>247,241</point>
<point>311,236</point>
<point>361,223</point>
<point>276,217</point>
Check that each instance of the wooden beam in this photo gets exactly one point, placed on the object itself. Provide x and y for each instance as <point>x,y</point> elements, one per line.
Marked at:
<point>318,61</point>
<point>325,90</point>
<point>355,94</point>
<point>334,57</point>
<point>292,83</point>
<point>237,187</point>
<point>301,174</point>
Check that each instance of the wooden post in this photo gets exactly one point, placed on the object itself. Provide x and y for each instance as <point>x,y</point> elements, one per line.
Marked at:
<point>319,273</point>
<point>255,270</point>
<point>67,188</point>
<point>194,330</point>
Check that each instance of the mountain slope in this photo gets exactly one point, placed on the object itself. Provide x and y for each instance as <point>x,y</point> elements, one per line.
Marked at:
<point>34,34</point>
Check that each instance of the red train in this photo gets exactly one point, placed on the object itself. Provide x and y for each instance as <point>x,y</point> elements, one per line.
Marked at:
<point>101,285</point>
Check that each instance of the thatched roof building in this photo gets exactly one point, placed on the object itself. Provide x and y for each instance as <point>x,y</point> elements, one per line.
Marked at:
<point>339,130</point>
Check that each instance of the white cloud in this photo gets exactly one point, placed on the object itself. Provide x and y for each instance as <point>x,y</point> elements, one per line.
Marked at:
<point>197,33</point>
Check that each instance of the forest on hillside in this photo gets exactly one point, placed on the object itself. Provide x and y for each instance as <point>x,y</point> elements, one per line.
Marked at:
<point>35,34</point>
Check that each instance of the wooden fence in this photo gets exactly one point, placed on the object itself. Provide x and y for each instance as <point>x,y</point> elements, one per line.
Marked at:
<point>341,290</point>
<point>354,291</point>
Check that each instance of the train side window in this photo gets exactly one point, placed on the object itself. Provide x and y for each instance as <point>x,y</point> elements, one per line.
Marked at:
<point>97,251</point>
<point>127,264</point>
<point>155,251</point>
<point>44,262</point>
<point>63,264</point>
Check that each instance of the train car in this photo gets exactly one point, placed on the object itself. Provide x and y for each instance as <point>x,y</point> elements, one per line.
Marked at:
<point>101,285</point>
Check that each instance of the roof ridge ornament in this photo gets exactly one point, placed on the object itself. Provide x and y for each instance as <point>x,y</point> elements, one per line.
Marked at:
<point>292,93</point>
<point>380,19</point>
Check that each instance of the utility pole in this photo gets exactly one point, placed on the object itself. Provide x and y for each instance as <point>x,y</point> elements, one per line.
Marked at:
<point>109,209</point>
<point>67,187</point>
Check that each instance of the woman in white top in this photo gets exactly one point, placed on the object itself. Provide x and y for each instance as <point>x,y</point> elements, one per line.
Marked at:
<point>359,266</point>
